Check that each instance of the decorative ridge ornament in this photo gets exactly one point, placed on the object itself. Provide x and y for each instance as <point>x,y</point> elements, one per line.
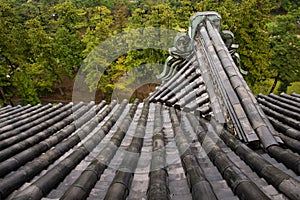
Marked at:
<point>200,17</point>
<point>228,38</point>
<point>179,54</point>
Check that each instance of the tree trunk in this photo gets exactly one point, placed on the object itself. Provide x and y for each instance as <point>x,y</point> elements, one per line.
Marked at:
<point>274,84</point>
<point>61,91</point>
<point>283,86</point>
<point>3,96</point>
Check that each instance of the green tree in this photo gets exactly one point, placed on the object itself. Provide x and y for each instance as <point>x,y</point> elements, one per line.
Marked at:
<point>97,30</point>
<point>100,21</point>
<point>49,47</point>
<point>184,10</point>
<point>285,35</point>
<point>161,16</point>
<point>121,14</point>
<point>254,39</point>
<point>94,3</point>
<point>65,32</point>
<point>12,48</point>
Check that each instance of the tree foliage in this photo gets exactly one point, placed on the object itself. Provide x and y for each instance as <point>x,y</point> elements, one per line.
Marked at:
<point>285,35</point>
<point>43,42</point>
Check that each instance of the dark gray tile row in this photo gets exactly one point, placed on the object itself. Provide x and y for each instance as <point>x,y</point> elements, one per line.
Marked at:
<point>14,111</point>
<point>240,183</point>
<point>91,174</point>
<point>42,141</point>
<point>276,100</point>
<point>120,186</point>
<point>280,179</point>
<point>291,97</point>
<point>53,177</point>
<point>6,109</point>
<point>158,187</point>
<point>185,90</point>
<point>226,89</point>
<point>18,112</point>
<point>198,184</point>
<point>246,99</point>
<point>22,115</point>
<point>282,113</point>
<point>32,168</point>
<point>188,171</point>
<point>37,126</point>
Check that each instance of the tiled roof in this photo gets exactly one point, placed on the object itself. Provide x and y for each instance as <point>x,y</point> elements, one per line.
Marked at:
<point>201,135</point>
<point>283,113</point>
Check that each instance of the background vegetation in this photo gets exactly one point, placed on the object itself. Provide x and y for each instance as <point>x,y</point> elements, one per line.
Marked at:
<point>43,42</point>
